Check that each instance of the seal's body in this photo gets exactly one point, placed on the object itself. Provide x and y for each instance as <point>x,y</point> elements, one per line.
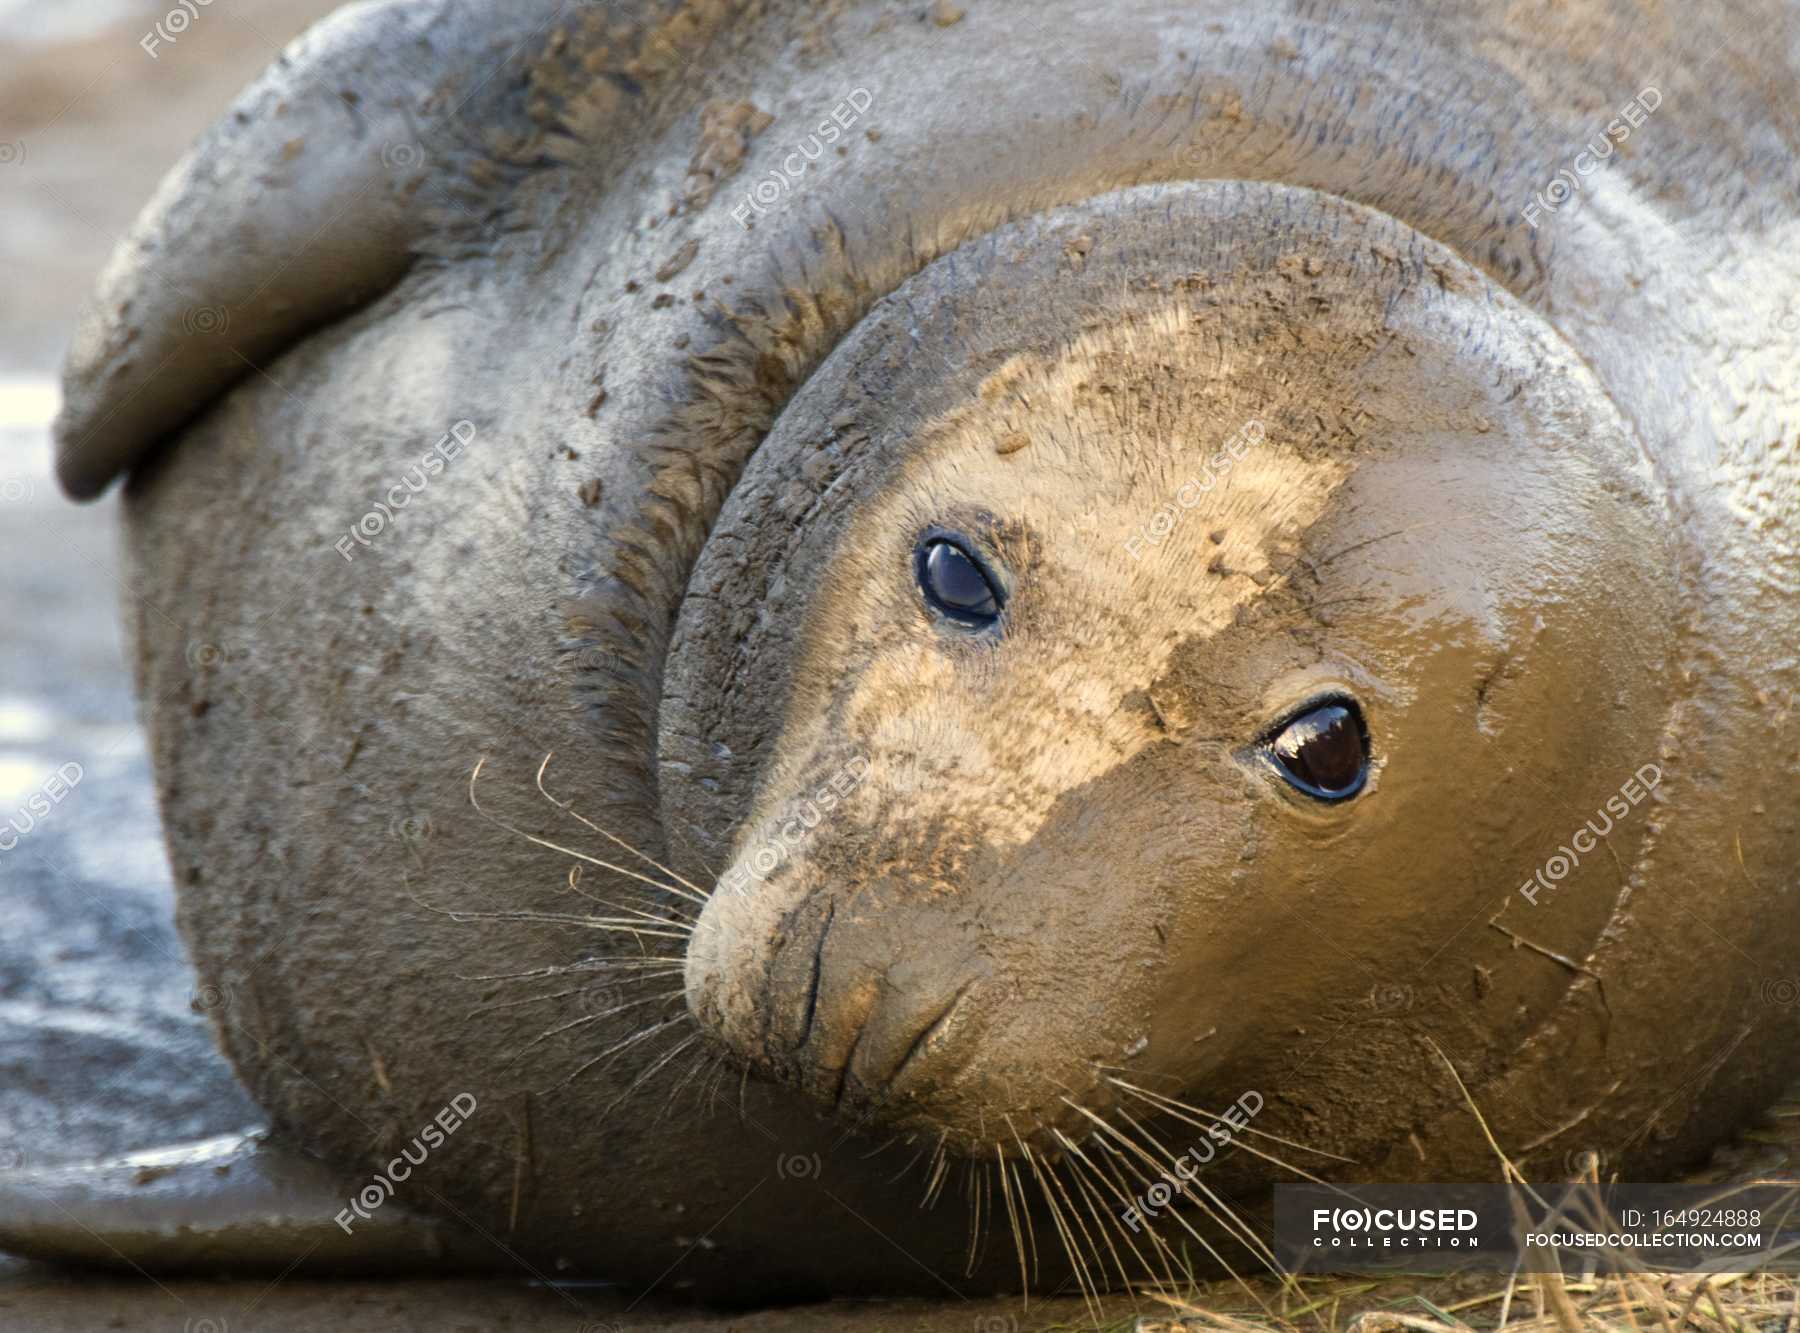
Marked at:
<point>1080,566</point>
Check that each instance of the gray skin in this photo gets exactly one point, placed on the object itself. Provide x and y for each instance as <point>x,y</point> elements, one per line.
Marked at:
<point>1528,494</point>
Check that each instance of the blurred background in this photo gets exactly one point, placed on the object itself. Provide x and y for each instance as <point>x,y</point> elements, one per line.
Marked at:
<point>103,1041</point>
<point>102,1045</point>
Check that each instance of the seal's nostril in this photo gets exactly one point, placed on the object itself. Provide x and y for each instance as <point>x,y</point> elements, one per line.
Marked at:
<point>898,1036</point>
<point>818,968</point>
<point>930,1035</point>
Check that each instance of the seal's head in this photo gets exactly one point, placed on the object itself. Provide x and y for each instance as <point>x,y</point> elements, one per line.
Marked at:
<point>1164,653</point>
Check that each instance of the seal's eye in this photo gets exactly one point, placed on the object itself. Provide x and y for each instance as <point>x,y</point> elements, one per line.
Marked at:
<point>1324,751</point>
<point>955,584</point>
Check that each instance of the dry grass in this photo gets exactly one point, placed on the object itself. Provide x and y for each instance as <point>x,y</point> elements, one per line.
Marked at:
<point>1644,1303</point>
<point>1752,1302</point>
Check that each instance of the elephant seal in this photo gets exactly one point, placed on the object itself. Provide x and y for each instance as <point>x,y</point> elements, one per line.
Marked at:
<point>806,609</point>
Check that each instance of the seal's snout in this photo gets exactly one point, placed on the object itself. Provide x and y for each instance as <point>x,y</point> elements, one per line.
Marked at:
<point>870,1041</point>
<point>818,997</point>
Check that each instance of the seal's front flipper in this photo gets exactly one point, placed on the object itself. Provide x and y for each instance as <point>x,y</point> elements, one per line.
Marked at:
<point>236,1204</point>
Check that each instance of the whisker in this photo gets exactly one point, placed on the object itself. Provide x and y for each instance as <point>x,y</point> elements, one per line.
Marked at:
<point>590,1018</point>
<point>1078,1265</point>
<point>1213,1206</point>
<point>718,1080</point>
<point>558,847</point>
<point>1176,1114</point>
<point>987,1192</point>
<point>1076,1155</point>
<point>646,1075</point>
<point>1173,1212</point>
<point>973,1189</point>
<point>566,969</point>
<point>1245,1129</point>
<point>568,807</point>
<point>1030,1226</point>
<point>615,1050</point>
<point>900,1174</point>
<point>1069,1203</point>
<point>881,1147</point>
<point>1013,1216</point>
<point>694,1071</point>
<point>1110,1158</point>
<point>1087,1200</point>
<point>940,1168</point>
<point>552,995</point>
<point>575,887</point>
<point>461,916</point>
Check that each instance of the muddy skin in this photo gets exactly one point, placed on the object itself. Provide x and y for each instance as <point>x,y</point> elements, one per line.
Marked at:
<point>943,907</point>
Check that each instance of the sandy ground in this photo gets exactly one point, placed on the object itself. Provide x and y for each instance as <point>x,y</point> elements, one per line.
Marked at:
<point>101,1049</point>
